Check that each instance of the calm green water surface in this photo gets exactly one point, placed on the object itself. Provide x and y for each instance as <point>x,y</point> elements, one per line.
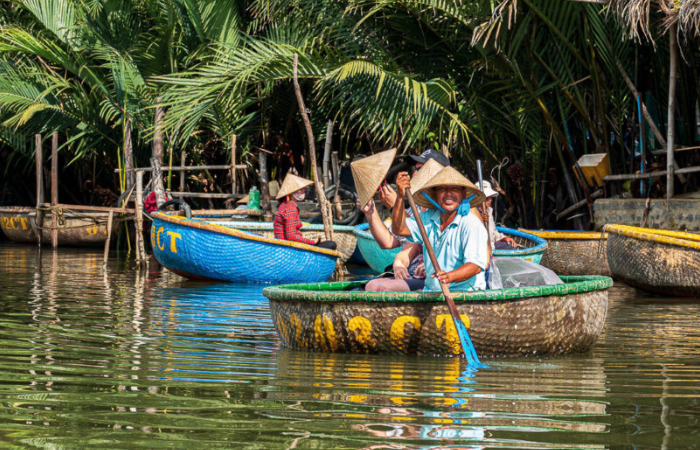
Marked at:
<point>127,359</point>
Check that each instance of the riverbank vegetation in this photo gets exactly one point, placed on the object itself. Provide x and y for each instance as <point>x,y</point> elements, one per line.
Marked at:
<point>528,86</point>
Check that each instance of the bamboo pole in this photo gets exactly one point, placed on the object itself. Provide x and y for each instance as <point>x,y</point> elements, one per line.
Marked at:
<point>233,165</point>
<point>140,247</point>
<point>128,154</point>
<point>643,176</point>
<point>109,238</point>
<point>327,224</point>
<point>190,168</point>
<point>327,154</point>
<point>182,174</point>
<point>670,130</point>
<point>54,189</point>
<point>39,185</point>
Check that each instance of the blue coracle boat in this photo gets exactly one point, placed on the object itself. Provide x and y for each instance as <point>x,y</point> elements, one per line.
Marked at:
<point>530,248</point>
<point>375,256</point>
<point>199,250</point>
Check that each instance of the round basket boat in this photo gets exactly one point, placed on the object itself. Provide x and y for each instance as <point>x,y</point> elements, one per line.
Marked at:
<point>661,261</point>
<point>342,234</point>
<point>200,250</point>
<point>530,247</point>
<point>575,252</point>
<point>376,257</point>
<point>75,228</point>
<point>540,320</point>
<point>17,225</point>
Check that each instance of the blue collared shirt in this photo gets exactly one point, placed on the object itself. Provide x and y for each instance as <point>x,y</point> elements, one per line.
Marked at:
<point>463,241</point>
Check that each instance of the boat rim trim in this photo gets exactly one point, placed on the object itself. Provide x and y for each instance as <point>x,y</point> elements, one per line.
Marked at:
<point>669,237</point>
<point>339,291</point>
<point>239,234</point>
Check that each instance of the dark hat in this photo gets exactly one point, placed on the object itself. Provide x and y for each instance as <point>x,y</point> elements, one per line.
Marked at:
<point>431,154</point>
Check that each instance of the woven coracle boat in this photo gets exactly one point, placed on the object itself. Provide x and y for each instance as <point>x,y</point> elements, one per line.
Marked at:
<point>661,261</point>
<point>16,224</point>
<point>540,320</point>
<point>575,252</point>
<point>75,229</point>
<point>342,234</point>
<point>375,256</point>
<point>201,250</point>
<point>530,247</point>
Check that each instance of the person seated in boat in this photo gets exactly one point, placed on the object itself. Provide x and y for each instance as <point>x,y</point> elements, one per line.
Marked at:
<point>287,223</point>
<point>387,195</point>
<point>407,273</point>
<point>454,229</point>
<point>499,241</point>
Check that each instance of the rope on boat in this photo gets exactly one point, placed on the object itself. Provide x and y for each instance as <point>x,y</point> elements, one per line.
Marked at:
<point>61,218</point>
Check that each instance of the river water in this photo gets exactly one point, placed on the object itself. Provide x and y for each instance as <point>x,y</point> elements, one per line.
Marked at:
<point>124,358</point>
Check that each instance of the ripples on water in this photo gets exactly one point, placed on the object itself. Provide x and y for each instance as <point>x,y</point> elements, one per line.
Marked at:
<point>124,358</point>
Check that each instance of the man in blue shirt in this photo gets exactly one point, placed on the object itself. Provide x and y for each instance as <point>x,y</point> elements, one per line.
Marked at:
<point>454,228</point>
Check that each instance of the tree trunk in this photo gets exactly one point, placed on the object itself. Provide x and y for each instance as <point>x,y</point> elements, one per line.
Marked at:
<point>158,136</point>
<point>128,156</point>
<point>323,203</point>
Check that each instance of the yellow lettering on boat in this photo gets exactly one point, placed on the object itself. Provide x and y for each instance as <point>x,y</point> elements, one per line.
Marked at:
<point>153,236</point>
<point>451,331</point>
<point>325,333</point>
<point>173,240</point>
<point>13,223</point>
<point>92,230</point>
<point>160,231</point>
<point>296,323</point>
<point>362,328</point>
<point>398,330</point>
<point>24,223</point>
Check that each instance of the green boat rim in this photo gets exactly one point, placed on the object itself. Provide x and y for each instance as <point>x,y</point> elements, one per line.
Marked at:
<point>340,291</point>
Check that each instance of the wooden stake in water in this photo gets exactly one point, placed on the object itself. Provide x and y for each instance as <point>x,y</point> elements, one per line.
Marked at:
<point>467,346</point>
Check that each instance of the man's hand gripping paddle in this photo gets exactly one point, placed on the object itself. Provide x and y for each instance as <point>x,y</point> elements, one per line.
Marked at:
<point>467,346</point>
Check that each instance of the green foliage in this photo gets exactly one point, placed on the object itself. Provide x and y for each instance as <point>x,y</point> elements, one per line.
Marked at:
<point>536,81</point>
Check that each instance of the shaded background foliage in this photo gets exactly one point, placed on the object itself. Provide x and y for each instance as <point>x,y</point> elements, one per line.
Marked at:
<point>533,81</point>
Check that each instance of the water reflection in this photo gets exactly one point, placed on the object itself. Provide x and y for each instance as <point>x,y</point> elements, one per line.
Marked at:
<point>130,358</point>
<point>406,399</point>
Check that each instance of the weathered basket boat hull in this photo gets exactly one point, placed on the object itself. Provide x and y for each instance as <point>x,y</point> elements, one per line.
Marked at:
<point>661,261</point>
<point>199,250</point>
<point>342,234</point>
<point>376,257</point>
<point>575,252</point>
<point>530,248</point>
<point>542,320</point>
<point>16,224</point>
<point>84,229</point>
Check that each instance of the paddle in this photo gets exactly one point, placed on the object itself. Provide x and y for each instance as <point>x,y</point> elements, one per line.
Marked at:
<point>467,346</point>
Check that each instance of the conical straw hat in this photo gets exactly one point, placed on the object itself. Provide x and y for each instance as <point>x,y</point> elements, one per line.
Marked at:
<point>428,171</point>
<point>448,177</point>
<point>291,184</point>
<point>369,173</point>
